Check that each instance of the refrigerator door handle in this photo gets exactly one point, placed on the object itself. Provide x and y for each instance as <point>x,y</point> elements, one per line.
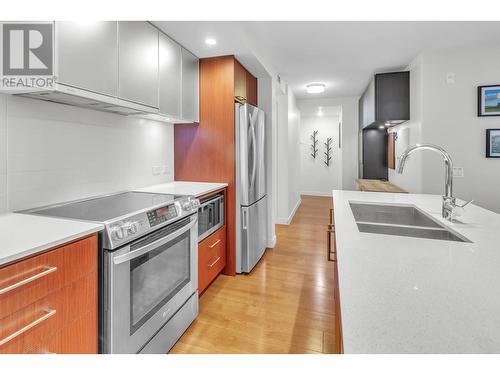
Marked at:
<point>254,145</point>
<point>244,218</point>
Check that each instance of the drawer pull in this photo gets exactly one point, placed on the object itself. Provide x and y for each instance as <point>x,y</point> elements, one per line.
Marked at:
<point>214,262</point>
<point>47,270</point>
<point>48,314</point>
<point>215,243</point>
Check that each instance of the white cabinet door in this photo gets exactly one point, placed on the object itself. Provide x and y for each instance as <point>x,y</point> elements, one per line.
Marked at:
<point>190,87</point>
<point>138,62</point>
<point>170,77</point>
<point>87,55</point>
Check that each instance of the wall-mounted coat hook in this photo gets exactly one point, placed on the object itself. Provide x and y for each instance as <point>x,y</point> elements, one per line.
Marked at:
<point>328,152</point>
<point>314,144</point>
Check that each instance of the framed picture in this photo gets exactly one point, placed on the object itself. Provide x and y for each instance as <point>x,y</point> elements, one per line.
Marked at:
<point>493,143</point>
<point>488,100</point>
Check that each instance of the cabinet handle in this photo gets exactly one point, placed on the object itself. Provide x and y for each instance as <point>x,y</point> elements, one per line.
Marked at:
<point>215,243</point>
<point>214,262</point>
<point>331,229</point>
<point>331,216</point>
<point>47,270</point>
<point>48,314</point>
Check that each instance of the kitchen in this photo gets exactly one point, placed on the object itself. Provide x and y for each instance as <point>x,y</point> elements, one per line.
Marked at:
<point>187,187</point>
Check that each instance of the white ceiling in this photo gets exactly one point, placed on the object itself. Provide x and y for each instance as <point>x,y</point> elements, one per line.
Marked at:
<point>342,54</point>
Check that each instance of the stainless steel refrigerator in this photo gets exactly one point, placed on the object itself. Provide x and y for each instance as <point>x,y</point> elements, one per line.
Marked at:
<point>251,198</point>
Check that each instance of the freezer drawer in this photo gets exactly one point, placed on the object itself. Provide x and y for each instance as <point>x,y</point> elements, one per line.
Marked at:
<point>253,233</point>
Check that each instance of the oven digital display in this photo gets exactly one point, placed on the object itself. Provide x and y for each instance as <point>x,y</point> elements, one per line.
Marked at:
<point>162,214</point>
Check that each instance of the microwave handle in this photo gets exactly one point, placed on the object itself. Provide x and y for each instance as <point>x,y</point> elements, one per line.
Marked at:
<point>218,197</point>
<point>153,245</point>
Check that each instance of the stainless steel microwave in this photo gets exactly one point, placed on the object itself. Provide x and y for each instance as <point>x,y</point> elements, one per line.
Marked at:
<point>210,216</point>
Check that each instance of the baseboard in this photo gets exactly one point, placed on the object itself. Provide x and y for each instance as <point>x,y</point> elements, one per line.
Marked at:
<point>271,242</point>
<point>288,220</point>
<point>317,193</point>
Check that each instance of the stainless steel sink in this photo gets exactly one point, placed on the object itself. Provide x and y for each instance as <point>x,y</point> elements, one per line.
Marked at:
<point>401,220</point>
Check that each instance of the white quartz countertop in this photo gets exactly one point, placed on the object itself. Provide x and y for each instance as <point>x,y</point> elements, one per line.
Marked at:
<point>184,188</point>
<point>23,235</point>
<point>411,295</point>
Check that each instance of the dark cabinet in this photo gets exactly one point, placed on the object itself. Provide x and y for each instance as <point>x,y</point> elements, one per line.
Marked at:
<point>375,154</point>
<point>386,100</point>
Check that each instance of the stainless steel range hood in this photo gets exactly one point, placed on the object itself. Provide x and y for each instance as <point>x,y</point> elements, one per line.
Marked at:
<point>87,99</point>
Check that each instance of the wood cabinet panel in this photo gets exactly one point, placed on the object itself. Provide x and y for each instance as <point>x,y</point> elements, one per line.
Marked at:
<point>391,158</point>
<point>205,152</point>
<point>245,85</point>
<point>54,269</point>
<point>57,310</point>
<point>251,88</point>
<point>211,258</point>
<point>240,83</point>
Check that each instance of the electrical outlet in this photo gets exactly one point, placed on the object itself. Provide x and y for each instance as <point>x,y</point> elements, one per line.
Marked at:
<point>165,169</point>
<point>458,171</point>
<point>156,170</point>
<point>450,78</point>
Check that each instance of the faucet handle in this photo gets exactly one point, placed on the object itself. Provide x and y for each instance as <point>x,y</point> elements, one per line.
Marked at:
<point>465,204</point>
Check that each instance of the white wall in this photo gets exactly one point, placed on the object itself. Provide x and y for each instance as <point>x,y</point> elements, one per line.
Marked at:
<point>293,154</point>
<point>288,158</point>
<point>349,134</point>
<point>315,177</point>
<point>51,152</point>
<point>449,119</point>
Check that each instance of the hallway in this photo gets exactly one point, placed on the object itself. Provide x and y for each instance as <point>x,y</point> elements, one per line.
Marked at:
<point>285,305</point>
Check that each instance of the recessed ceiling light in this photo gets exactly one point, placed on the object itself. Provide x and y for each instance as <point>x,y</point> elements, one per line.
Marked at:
<point>210,41</point>
<point>315,88</point>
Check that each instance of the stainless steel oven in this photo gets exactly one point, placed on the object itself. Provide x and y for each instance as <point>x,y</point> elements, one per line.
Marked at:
<point>148,266</point>
<point>149,281</point>
<point>210,215</point>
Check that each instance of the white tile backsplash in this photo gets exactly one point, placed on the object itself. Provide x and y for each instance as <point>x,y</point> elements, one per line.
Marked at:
<point>54,153</point>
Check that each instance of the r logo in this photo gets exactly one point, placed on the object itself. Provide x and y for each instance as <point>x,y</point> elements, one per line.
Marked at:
<point>27,49</point>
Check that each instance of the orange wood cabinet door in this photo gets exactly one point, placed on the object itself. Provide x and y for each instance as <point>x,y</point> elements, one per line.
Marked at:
<point>47,299</point>
<point>251,89</point>
<point>240,82</point>
<point>391,158</point>
<point>245,85</point>
<point>211,258</point>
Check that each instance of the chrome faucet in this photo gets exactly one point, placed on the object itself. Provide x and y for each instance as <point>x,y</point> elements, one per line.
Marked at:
<point>450,208</point>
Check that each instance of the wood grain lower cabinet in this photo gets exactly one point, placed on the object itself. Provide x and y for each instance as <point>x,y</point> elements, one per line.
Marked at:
<point>211,258</point>
<point>48,303</point>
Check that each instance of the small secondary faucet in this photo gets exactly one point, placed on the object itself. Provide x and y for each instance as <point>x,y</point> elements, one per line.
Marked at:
<point>450,207</point>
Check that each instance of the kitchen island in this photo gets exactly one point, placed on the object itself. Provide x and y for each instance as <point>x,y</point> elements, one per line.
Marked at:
<point>413,295</point>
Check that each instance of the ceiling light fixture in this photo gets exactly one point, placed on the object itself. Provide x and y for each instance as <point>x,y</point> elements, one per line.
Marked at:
<point>381,127</point>
<point>315,88</point>
<point>210,41</point>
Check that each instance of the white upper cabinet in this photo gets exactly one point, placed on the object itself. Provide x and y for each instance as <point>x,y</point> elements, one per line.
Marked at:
<point>87,55</point>
<point>138,62</point>
<point>170,77</point>
<point>190,87</point>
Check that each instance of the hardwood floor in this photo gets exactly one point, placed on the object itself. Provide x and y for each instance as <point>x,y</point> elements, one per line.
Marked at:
<point>285,305</point>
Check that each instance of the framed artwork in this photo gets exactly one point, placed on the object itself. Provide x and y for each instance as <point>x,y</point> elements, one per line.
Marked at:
<point>493,143</point>
<point>488,100</point>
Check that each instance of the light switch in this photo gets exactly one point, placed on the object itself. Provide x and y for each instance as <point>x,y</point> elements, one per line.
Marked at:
<point>450,78</point>
<point>458,171</point>
<point>156,170</point>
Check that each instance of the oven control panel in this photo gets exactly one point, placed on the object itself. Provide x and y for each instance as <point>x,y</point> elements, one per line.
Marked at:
<point>162,214</point>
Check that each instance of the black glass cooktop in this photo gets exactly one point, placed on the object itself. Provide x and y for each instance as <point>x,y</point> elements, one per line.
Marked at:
<point>106,208</point>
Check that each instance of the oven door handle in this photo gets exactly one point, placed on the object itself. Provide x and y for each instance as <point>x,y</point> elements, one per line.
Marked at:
<point>153,245</point>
